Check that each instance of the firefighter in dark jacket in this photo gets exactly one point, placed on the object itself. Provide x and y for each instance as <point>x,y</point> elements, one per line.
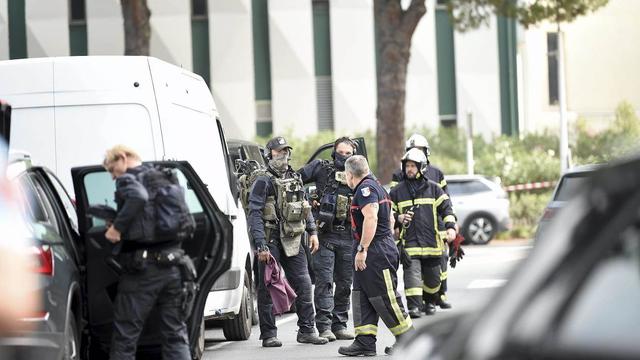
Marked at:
<point>333,263</point>
<point>418,203</point>
<point>376,263</point>
<point>144,283</point>
<point>278,215</point>
<point>433,173</point>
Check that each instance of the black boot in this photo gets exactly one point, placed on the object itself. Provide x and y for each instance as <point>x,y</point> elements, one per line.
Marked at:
<point>356,349</point>
<point>429,308</point>
<point>442,302</point>
<point>415,313</point>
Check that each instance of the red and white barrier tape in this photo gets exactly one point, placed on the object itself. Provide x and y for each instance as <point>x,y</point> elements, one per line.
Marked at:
<point>530,186</point>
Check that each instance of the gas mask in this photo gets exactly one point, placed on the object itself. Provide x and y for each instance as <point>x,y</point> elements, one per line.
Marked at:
<point>279,163</point>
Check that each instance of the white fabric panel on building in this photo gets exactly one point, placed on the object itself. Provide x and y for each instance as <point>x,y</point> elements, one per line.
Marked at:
<point>231,54</point>
<point>478,79</point>
<point>47,28</point>
<point>4,30</point>
<point>105,28</point>
<point>293,81</point>
<point>171,31</point>
<point>353,65</point>
<point>421,107</point>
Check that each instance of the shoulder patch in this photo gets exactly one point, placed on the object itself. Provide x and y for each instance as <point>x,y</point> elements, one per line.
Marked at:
<point>366,191</point>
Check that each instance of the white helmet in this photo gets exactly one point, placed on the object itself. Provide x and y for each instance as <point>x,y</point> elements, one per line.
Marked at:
<point>418,157</point>
<point>417,140</point>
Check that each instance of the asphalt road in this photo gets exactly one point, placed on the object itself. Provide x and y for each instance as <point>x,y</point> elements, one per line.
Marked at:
<point>471,284</point>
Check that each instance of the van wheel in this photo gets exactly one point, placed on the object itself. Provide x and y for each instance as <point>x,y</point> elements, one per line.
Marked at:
<point>479,230</point>
<point>239,328</point>
<point>72,342</point>
<point>200,349</point>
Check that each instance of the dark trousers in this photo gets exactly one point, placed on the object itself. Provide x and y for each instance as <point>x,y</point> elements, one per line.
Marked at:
<point>422,276</point>
<point>138,294</point>
<point>333,263</point>
<point>375,296</point>
<point>444,274</point>
<point>297,273</point>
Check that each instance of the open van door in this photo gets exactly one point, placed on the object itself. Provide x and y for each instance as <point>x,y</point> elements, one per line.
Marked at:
<point>324,151</point>
<point>210,248</point>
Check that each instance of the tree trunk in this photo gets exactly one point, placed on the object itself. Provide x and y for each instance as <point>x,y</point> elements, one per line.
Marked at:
<point>394,29</point>
<point>137,29</point>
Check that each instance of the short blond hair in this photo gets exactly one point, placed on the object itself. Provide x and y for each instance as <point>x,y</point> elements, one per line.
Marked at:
<point>116,152</point>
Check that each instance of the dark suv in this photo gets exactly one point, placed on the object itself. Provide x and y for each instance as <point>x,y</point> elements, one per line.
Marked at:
<point>79,279</point>
<point>57,326</point>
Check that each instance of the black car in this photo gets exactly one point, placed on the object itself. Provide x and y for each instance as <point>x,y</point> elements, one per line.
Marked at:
<point>577,296</point>
<point>81,277</point>
<point>53,224</point>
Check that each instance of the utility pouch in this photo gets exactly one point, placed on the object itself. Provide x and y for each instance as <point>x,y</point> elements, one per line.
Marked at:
<point>134,262</point>
<point>342,207</point>
<point>293,211</point>
<point>291,245</point>
<point>326,212</point>
<point>269,212</point>
<point>341,177</point>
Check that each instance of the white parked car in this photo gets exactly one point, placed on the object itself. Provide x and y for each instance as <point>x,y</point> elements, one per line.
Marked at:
<point>481,205</point>
<point>68,110</point>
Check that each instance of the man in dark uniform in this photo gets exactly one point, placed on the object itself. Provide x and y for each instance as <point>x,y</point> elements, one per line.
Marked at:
<point>278,215</point>
<point>418,203</point>
<point>144,283</point>
<point>333,262</point>
<point>433,173</point>
<point>376,262</point>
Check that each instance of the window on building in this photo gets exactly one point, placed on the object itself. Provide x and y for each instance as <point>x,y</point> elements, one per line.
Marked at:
<point>552,61</point>
<point>445,57</point>
<point>199,8</point>
<point>322,54</point>
<point>17,29</point>
<point>78,11</point>
<point>77,28</point>
<point>200,39</point>
<point>262,67</point>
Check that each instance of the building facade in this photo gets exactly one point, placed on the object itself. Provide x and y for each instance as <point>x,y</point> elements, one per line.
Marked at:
<point>301,66</point>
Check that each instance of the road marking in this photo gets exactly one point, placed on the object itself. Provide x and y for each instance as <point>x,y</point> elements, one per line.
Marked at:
<point>486,283</point>
<point>285,319</point>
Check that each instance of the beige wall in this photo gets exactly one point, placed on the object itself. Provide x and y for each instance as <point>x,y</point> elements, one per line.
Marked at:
<point>603,58</point>
<point>602,64</point>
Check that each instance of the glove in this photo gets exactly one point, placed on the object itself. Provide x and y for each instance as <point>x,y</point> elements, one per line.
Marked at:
<point>405,259</point>
<point>455,251</point>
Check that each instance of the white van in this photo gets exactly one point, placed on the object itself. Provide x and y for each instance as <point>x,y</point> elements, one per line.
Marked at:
<point>68,110</point>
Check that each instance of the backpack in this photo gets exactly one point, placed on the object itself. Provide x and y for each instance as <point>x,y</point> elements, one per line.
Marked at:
<point>248,171</point>
<point>167,205</point>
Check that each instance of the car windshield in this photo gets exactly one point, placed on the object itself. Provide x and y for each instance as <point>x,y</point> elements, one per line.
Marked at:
<point>569,186</point>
